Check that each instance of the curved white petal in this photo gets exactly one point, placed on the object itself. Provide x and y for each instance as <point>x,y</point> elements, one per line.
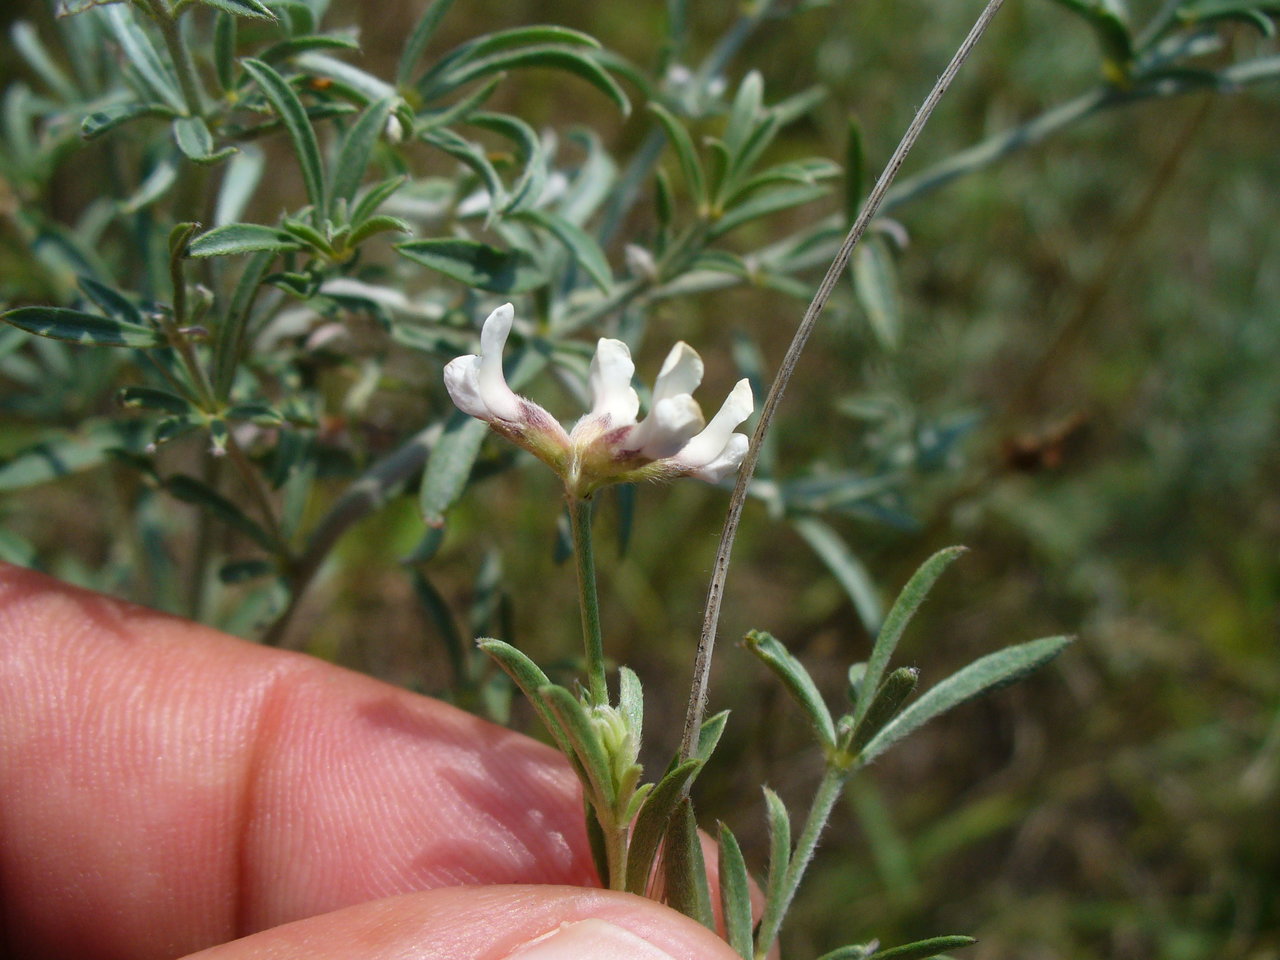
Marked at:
<point>703,449</point>
<point>462,380</point>
<point>610,381</point>
<point>667,428</point>
<point>500,400</point>
<point>727,463</point>
<point>681,373</point>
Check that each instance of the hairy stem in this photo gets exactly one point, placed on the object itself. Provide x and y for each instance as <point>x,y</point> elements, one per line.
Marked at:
<point>824,801</point>
<point>593,642</point>
<point>715,591</point>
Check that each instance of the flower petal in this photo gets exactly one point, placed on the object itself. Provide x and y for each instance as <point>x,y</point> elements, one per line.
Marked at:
<point>727,463</point>
<point>667,428</point>
<point>462,380</point>
<point>610,381</point>
<point>681,373</point>
<point>707,446</point>
<point>497,396</point>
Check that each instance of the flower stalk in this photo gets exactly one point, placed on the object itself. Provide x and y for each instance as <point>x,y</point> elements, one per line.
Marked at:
<point>588,600</point>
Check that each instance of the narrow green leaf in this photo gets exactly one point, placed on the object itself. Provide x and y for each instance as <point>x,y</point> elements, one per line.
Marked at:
<point>356,84</point>
<point>62,323</point>
<point>236,238</point>
<point>885,705</point>
<point>307,235</point>
<point>745,113</point>
<point>530,679</point>
<point>779,845</point>
<point>241,8</point>
<point>651,824</point>
<point>709,734</point>
<point>27,42</point>
<point>581,246</point>
<point>631,700</point>
<point>735,894</point>
<point>419,37</point>
<point>585,739</point>
<point>191,490</point>
<point>60,454</point>
<point>923,949</point>
<point>357,147</point>
<point>900,614</point>
<point>533,179</point>
<point>242,571</point>
<point>437,610</point>
<point>473,156</point>
<point>102,121</point>
<point>194,139</point>
<point>289,107</point>
<point>110,301</point>
<point>151,398</point>
<point>374,197</point>
<point>558,57</point>
<point>477,264</point>
<point>682,143</point>
<point>797,681</point>
<point>763,204</point>
<point>137,47</point>
<point>224,51</point>
<point>988,673</point>
<point>449,466</point>
<point>239,181</point>
<point>684,869</point>
<point>875,281</point>
<point>376,225</point>
<point>845,567</point>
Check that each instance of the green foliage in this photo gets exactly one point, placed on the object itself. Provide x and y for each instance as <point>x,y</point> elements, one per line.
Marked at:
<point>360,207</point>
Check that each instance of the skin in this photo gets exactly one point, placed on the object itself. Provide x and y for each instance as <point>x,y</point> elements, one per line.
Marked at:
<point>167,789</point>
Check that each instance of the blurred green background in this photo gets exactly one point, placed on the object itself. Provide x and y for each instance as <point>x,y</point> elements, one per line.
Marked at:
<point>1101,312</point>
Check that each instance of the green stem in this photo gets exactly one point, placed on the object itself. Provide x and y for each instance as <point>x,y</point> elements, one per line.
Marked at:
<point>188,79</point>
<point>824,801</point>
<point>593,643</point>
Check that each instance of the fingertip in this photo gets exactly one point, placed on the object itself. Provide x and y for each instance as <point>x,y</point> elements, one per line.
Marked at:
<point>488,923</point>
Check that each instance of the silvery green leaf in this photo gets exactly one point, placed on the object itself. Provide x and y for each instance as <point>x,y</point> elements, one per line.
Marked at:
<point>528,189</point>
<point>289,108</point>
<point>684,870</point>
<point>779,845</point>
<point>239,181</point>
<point>651,824</point>
<point>137,47</point>
<point>194,139</point>
<point>581,246</point>
<point>477,264</point>
<point>631,700</point>
<point>63,323</point>
<point>797,681</point>
<point>875,281</point>
<point>900,614</point>
<point>191,490</point>
<point>364,85</point>
<point>735,894</point>
<point>585,740</point>
<point>593,181</point>
<point>59,454</point>
<point>709,734</point>
<point>474,157</point>
<point>449,466</point>
<point>157,183</point>
<point>764,203</point>
<point>152,398</point>
<point>419,37</point>
<point>233,238</point>
<point>241,8</point>
<point>885,705</point>
<point>845,566</point>
<point>920,950</point>
<point>108,118</point>
<point>988,673</point>
<point>682,143</point>
<point>745,113</point>
<point>27,42</point>
<point>357,147</point>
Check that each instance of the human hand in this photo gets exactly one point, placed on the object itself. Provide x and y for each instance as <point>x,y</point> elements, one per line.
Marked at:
<point>166,789</point>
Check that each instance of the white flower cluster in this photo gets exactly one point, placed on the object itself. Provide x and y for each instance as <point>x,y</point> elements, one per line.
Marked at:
<point>608,445</point>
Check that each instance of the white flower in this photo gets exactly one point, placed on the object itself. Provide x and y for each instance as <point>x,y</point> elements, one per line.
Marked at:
<point>607,445</point>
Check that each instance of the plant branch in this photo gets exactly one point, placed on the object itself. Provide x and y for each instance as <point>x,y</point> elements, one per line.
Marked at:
<point>715,592</point>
